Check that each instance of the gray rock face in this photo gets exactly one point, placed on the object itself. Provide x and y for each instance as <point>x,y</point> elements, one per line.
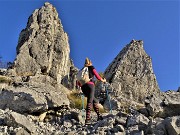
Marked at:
<point>43,45</point>
<point>153,105</point>
<point>32,97</point>
<point>137,119</point>
<point>166,104</point>
<point>172,125</point>
<point>69,81</point>
<point>111,104</point>
<point>3,71</point>
<point>131,73</point>
<point>15,119</point>
<point>1,117</point>
<point>156,127</point>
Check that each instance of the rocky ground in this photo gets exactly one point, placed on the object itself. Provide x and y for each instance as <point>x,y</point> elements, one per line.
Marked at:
<point>154,119</point>
<point>116,123</point>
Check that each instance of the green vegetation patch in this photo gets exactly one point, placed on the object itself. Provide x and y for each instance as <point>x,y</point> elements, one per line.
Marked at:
<point>76,101</point>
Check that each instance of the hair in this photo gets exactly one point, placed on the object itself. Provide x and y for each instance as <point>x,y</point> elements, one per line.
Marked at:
<point>87,62</point>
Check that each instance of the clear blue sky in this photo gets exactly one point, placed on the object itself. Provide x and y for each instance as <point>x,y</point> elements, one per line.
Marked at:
<point>99,29</point>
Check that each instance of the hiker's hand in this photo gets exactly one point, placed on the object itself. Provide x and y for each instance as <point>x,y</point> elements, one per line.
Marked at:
<point>80,91</point>
<point>103,80</point>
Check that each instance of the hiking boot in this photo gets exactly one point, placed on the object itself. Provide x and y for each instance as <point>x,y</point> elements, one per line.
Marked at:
<point>100,118</point>
<point>87,122</point>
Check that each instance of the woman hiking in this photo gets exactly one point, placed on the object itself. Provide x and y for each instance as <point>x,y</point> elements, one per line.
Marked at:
<point>88,90</point>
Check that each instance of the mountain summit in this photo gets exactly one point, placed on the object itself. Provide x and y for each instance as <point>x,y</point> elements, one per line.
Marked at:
<point>131,73</point>
<point>43,45</point>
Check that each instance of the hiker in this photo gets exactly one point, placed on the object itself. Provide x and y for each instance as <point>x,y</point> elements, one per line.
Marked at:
<point>88,90</point>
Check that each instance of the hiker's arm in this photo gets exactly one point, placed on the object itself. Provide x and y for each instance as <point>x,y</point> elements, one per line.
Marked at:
<point>78,84</point>
<point>98,76</point>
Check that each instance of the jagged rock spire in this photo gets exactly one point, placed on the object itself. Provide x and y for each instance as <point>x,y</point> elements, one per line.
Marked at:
<point>131,73</point>
<point>43,45</point>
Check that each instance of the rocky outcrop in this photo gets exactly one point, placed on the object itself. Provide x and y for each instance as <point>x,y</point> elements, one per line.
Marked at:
<point>41,64</point>
<point>131,73</point>
<point>69,81</point>
<point>17,120</point>
<point>43,46</point>
<point>32,97</point>
<point>3,71</point>
<point>166,104</point>
<point>178,89</point>
<point>172,125</point>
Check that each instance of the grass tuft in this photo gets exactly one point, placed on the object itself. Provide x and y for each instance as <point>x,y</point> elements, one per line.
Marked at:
<point>76,101</point>
<point>25,74</point>
<point>4,79</point>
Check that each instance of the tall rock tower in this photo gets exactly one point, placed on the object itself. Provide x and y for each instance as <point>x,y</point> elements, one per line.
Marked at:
<point>131,73</point>
<point>43,45</point>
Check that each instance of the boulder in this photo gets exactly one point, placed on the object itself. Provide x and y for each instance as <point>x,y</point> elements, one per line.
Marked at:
<point>137,119</point>
<point>171,103</point>
<point>165,104</point>
<point>156,126</point>
<point>111,104</point>
<point>15,120</point>
<point>153,106</point>
<point>32,97</point>
<point>76,115</point>
<point>172,125</point>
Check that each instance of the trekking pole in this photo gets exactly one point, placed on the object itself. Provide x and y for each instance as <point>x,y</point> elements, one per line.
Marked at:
<point>107,92</point>
<point>83,110</point>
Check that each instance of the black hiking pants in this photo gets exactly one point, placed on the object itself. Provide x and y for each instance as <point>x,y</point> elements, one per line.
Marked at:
<point>88,90</point>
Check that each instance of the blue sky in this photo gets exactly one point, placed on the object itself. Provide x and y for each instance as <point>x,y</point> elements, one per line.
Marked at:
<point>99,29</point>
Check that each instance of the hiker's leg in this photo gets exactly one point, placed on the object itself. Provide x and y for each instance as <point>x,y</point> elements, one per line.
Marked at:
<point>95,103</point>
<point>88,91</point>
<point>96,109</point>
